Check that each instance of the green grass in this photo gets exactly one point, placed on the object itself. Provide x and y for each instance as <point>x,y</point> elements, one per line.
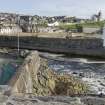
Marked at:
<point>94,24</point>
<point>87,24</point>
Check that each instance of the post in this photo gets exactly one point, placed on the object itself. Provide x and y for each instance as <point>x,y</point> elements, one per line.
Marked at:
<point>103,36</point>
<point>18,40</point>
<point>18,44</point>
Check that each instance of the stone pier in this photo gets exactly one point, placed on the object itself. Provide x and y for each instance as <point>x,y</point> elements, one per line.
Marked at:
<point>79,46</point>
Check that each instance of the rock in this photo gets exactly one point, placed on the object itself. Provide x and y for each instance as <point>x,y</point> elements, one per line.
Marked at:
<point>36,84</point>
<point>5,89</point>
<point>44,101</point>
<point>81,75</point>
<point>50,100</point>
<point>68,85</point>
<point>50,83</point>
<point>3,99</point>
<point>75,73</point>
<point>35,77</point>
<point>24,53</point>
<point>103,84</point>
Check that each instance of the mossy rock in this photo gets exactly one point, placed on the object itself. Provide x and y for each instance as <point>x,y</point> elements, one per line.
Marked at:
<point>49,83</point>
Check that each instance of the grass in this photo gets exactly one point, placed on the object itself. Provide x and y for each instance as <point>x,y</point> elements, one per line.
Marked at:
<point>94,24</point>
<point>86,24</point>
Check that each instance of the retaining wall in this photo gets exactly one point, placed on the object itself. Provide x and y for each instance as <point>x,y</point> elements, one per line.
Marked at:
<point>34,42</point>
<point>81,46</point>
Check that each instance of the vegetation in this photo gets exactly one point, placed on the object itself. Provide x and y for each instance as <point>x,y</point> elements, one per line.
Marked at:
<point>79,26</point>
<point>94,24</point>
<point>47,82</point>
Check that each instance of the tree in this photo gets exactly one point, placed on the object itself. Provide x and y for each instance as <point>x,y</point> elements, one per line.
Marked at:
<point>34,25</point>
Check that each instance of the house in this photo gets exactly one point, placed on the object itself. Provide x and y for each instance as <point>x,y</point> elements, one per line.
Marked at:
<point>10,29</point>
<point>53,24</point>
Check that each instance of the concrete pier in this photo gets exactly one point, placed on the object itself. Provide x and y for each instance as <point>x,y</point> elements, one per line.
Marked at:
<point>79,46</point>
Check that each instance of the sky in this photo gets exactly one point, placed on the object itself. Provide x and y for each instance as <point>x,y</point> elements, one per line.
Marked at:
<point>79,8</point>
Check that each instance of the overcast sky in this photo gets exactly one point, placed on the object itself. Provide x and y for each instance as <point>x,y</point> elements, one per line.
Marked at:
<point>79,8</point>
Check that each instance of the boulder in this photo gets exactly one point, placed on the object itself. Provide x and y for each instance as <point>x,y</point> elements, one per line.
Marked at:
<point>35,77</point>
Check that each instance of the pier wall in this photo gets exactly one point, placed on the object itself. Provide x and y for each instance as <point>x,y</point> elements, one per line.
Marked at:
<point>51,43</point>
<point>78,46</point>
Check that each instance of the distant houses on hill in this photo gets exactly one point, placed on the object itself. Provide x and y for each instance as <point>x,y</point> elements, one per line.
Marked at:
<point>14,23</point>
<point>10,29</point>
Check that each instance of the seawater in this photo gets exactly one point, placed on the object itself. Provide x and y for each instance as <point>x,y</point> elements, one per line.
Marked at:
<point>7,69</point>
<point>91,72</point>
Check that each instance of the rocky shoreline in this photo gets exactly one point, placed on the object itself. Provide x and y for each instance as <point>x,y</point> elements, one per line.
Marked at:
<point>35,83</point>
<point>28,99</point>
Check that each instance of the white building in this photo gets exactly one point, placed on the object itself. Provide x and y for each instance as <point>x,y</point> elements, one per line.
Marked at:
<point>10,29</point>
<point>53,24</point>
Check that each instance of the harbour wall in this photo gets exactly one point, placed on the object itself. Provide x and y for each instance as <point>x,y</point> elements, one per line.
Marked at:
<point>28,42</point>
<point>81,46</point>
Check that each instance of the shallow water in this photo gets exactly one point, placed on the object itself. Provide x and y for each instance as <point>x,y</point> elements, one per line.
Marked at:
<point>92,72</point>
<point>63,66</point>
<point>7,69</point>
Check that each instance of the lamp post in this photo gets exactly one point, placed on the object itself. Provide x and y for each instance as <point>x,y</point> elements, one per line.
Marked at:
<point>103,36</point>
<point>18,40</point>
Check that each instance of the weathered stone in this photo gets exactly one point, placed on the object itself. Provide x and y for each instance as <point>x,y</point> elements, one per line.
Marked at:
<point>3,98</point>
<point>35,77</point>
<point>22,81</point>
